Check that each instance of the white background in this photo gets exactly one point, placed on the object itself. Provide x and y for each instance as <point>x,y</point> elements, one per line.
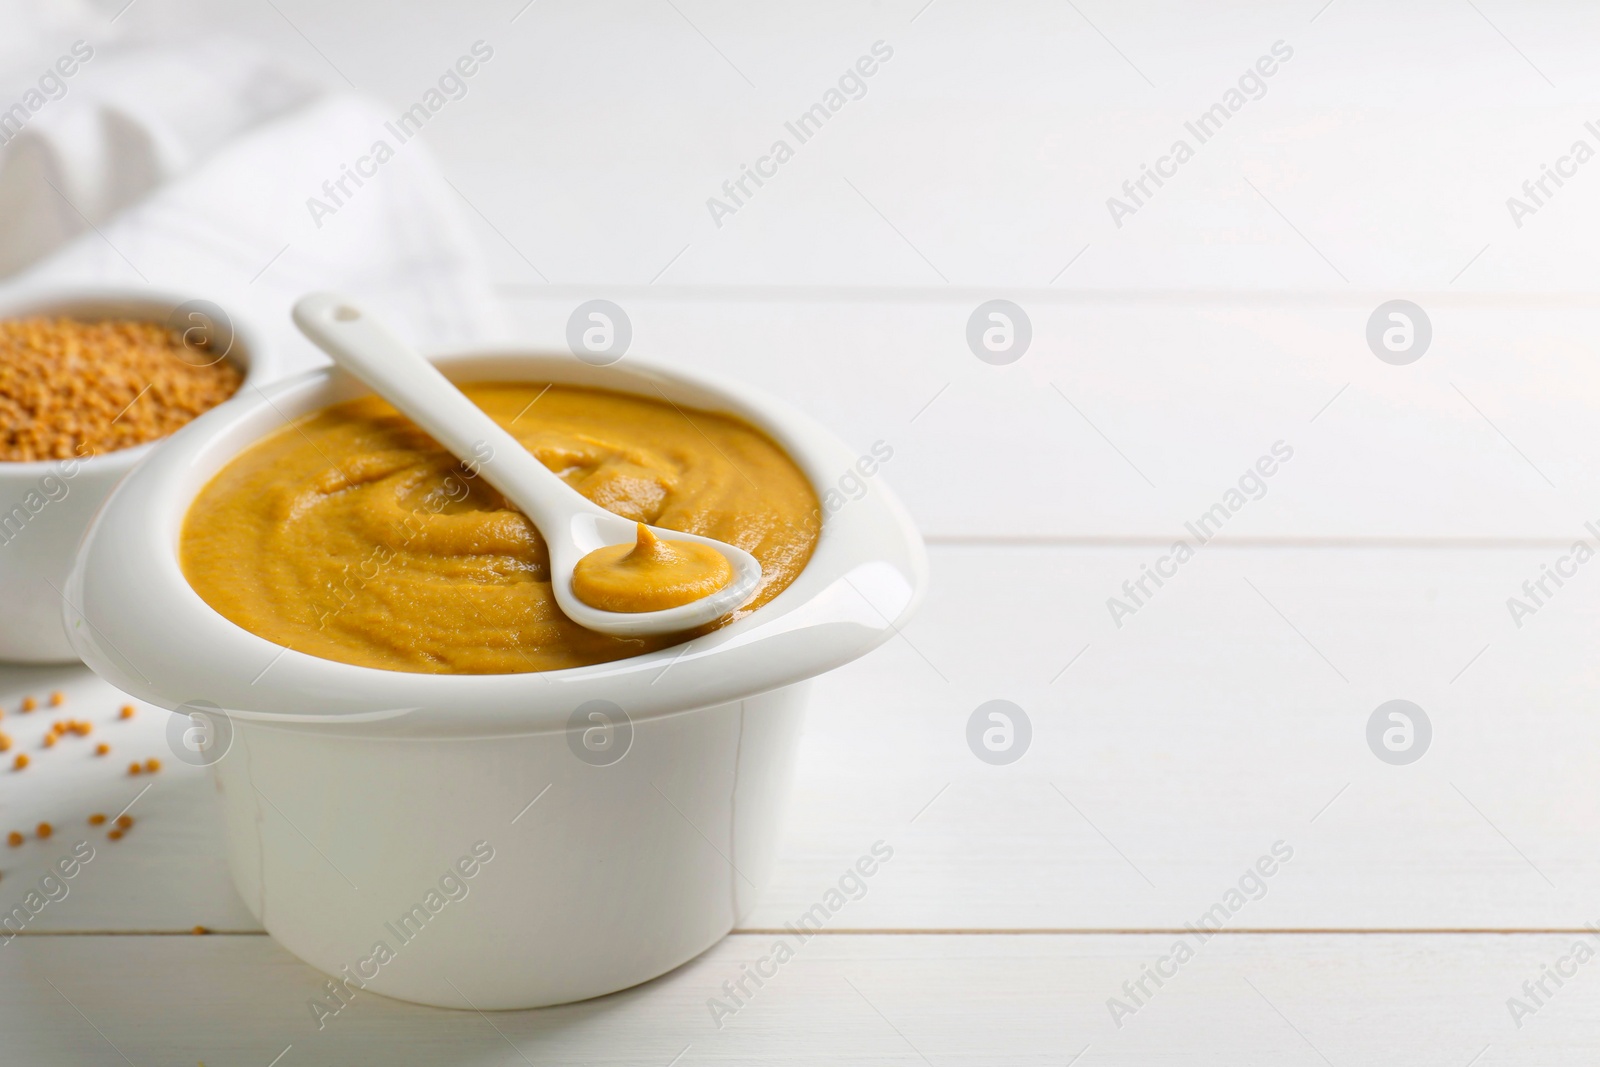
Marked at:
<point>1168,753</point>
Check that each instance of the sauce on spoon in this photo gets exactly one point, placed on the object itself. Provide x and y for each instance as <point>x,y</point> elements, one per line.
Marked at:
<point>650,574</point>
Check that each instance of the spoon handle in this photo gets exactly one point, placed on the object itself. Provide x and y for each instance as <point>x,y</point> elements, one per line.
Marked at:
<point>361,345</point>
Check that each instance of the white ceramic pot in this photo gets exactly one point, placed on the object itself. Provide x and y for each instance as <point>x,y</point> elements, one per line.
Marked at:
<point>46,506</point>
<point>656,783</point>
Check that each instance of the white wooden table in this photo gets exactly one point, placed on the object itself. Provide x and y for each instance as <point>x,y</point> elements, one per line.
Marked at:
<point>1225,716</point>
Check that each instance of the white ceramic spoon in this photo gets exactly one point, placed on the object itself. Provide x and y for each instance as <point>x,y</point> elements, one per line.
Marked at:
<point>572,525</point>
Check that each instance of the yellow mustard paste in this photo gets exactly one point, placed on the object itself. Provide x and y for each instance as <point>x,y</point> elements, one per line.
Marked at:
<point>650,574</point>
<point>353,536</point>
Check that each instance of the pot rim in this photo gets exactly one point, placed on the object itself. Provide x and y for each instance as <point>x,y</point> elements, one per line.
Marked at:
<point>135,620</point>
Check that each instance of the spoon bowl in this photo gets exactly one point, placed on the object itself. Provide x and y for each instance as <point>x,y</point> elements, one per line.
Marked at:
<point>572,525</point>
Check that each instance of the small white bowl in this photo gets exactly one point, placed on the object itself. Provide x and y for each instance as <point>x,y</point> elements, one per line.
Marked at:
<point>45,506</point>
<point>351,793</point>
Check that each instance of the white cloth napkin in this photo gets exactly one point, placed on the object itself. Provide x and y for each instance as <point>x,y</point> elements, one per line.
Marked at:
<point>191,170</point>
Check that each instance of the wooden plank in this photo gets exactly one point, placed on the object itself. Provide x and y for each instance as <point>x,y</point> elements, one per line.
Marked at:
<point>986,149</point>
<point>1130,417</point>
<point>1367,165</point>
<point>1228,713</point>
<point>945,1000</point>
